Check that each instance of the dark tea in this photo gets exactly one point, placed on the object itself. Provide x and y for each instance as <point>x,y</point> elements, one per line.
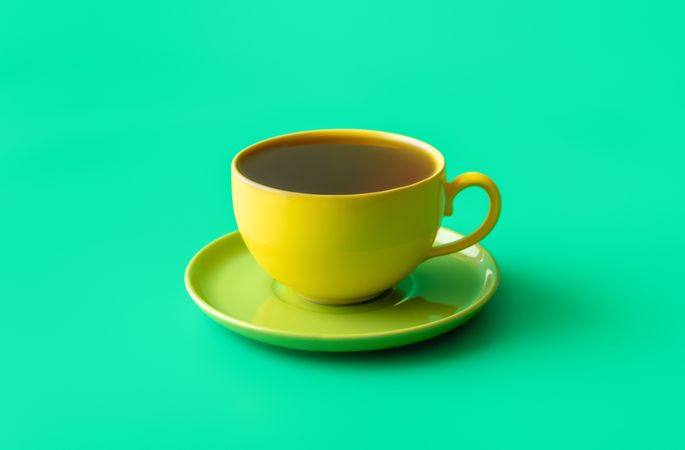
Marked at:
<point>336,168</point>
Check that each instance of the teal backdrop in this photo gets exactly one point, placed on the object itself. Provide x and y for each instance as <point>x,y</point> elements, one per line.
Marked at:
<point>118,121</point>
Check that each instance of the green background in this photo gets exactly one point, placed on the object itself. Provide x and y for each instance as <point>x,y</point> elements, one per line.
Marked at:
<point>118,121</point>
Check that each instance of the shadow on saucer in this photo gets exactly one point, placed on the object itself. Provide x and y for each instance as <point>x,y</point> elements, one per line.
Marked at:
<point>527,309</point>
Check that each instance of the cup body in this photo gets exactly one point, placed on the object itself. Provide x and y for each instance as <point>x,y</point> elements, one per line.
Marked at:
<point>340,249</point>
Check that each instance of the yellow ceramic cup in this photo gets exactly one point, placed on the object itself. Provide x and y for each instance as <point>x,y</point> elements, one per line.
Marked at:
<point>342,249</point>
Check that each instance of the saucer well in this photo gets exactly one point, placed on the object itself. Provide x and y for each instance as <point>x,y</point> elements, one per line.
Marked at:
<point>226,282</point>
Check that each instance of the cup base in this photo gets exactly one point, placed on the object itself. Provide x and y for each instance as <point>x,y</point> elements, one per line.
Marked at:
<point>340,301</point>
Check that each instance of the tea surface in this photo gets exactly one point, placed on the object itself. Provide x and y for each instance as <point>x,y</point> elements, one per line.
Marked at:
<point>336,168</point>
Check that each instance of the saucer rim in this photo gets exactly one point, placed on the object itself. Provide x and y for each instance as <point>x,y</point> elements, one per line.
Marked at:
<point>457,318</point>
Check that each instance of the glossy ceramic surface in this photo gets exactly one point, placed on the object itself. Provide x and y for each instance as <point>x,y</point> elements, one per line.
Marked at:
<point>343,249</point>
<point>228,284</point>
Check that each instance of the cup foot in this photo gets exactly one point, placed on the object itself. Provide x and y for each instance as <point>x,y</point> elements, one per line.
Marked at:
<point>340,301</point>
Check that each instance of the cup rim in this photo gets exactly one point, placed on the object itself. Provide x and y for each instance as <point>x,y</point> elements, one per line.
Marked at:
<point>341,133</point>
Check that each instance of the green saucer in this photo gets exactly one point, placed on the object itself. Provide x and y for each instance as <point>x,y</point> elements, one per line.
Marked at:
<point>227,283</point>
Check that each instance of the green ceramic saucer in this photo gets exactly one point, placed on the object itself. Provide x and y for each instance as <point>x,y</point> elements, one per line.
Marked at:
<point>228,284</point>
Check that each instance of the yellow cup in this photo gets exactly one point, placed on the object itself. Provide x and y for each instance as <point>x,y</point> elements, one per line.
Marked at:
<point>343,249</point>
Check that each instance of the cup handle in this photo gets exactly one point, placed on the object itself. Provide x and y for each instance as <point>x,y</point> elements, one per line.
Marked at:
<point>460,183</point>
